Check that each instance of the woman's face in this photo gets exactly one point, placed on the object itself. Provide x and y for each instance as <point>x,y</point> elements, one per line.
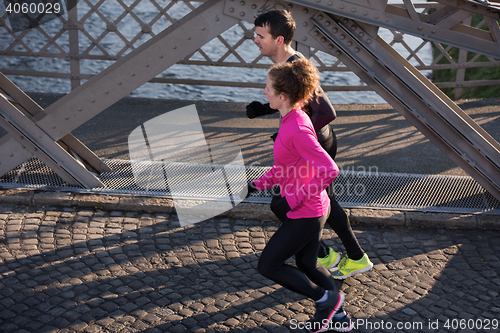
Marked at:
<point>275,101</point>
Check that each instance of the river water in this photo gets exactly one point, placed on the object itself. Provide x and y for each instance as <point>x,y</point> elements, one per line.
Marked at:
<point>128,27</point>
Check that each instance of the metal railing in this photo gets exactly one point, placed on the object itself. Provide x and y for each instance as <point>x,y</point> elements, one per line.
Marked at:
<point>353,189</point>
<point>94,34</point>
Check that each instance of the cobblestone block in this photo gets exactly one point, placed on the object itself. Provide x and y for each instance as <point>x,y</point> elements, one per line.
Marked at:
<point>16,196</point>
<point>486,221</point>
<point>440,220</point>
<point>162,205</point>
<point>115,271</point>
<point>377,216</point>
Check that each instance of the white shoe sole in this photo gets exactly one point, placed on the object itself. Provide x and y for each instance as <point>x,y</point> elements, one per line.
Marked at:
<point>367,268</point>
<point>335,263</point>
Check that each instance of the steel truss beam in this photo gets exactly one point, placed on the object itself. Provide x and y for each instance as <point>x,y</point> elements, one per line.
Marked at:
<point>141,65</point>
<point>33,139</point>
<point>443,26</point>
<point>346,29</point>
<point>179,40</point>
<point>13,150</point>
<point>419,100</point>
<point>357,45</point>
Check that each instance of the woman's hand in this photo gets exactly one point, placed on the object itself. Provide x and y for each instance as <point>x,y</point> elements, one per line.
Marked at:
<point>280,207</point>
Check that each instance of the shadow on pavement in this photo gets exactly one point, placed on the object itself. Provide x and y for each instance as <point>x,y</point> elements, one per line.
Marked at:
<point>145,274</point>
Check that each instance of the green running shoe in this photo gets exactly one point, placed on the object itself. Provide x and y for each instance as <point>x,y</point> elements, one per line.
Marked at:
<point>348,267</point>
<point>330,260</point>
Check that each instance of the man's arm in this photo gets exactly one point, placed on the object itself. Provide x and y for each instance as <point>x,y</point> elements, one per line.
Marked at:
<point>257,109</point>
<point>322,111</point>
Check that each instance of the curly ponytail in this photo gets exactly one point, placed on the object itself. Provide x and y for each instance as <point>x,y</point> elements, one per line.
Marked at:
<point>297,80</point>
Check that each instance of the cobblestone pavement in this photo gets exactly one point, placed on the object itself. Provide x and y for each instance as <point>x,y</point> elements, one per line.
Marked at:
<point>85,270</point>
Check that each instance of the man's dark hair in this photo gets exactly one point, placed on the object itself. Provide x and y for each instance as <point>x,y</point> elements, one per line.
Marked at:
<point>280,23</point>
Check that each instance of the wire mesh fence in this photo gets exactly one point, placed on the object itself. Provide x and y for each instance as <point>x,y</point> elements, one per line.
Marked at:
<point>353,189</point>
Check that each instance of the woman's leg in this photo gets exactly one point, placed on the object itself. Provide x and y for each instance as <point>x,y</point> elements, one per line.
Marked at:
<point>296,237</point>
<point>306,261</point>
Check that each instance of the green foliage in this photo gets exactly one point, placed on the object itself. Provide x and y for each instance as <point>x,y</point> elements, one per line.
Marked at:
<point>471,74</point>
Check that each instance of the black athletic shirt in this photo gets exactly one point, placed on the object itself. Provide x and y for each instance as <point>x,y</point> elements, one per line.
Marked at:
<point>321,110</point>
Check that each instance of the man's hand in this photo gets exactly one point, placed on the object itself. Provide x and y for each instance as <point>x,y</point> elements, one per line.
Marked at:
<point>255,109</point>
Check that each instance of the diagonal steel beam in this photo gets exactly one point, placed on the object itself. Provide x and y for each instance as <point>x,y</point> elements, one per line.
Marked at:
<point>138,67</point>
<point>399,83</point>
<point>415,97</point>
<point>120,79</point>
<point>461,36</point>
<point>15,155</point>
<point>12,154</point>
<point>33,139</point>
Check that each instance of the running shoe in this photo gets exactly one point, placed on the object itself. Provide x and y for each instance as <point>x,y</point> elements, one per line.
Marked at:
<point>331,259</point>
<point>341,322</point>
<point>348,267</point>
<point>325,312</point>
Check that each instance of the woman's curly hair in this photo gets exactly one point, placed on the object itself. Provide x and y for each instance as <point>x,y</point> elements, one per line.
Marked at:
<point>297,80</point>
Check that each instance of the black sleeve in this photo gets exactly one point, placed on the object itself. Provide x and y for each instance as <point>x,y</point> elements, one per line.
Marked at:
<point>322,111</point>
<point>268,110</point>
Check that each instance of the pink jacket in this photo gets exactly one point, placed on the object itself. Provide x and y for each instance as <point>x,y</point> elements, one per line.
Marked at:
<point>302,168</point>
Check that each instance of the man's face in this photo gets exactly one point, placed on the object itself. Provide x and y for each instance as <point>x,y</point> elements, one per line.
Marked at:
<point>267,44</point>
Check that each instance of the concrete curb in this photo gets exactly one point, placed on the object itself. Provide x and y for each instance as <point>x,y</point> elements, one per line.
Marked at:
<point>245,210</point>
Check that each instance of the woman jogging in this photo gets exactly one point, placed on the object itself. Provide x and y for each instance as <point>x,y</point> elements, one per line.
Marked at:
<point>303,170</point>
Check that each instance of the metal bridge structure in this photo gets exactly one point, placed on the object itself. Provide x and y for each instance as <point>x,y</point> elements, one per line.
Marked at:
<point>346,29</point>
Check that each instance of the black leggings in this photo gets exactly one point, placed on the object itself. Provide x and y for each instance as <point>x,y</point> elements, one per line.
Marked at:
<point>339,222</point>
<point>338,219</point>
<point>299,237</point>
